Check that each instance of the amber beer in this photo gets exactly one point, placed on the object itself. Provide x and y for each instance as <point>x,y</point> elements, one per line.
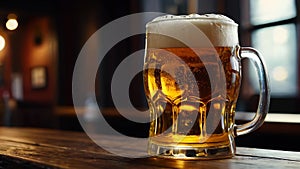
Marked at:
<point>192,88</point>
<point>177,103</point>
<point>179,116</point>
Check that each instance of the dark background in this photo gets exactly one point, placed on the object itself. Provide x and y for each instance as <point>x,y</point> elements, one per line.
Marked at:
<point>51,34</point>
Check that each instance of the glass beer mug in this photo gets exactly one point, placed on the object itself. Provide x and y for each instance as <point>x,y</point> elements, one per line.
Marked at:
<point>192,76</point>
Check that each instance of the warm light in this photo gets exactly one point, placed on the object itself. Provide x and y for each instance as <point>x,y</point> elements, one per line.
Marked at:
<point>280,35</point>
<point>217,106</point>
<point>2,43</point>
<point>11,24</point>
<point>280,73</point>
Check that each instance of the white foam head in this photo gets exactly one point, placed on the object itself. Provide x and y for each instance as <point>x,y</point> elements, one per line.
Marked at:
<point>219,30</point>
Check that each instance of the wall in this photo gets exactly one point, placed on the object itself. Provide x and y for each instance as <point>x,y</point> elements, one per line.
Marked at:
<point>39,49</point>
<point>5,66</point>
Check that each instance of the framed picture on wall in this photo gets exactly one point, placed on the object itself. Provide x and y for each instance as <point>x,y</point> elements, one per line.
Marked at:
<point>38,77</point>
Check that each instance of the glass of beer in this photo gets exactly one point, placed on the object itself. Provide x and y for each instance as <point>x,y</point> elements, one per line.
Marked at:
<point>192,75</point>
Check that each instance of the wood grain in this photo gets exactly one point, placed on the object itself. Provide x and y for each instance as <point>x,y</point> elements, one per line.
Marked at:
<point>43,148</point>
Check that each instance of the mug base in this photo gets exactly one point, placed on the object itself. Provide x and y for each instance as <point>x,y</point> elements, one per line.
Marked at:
<point>194,152</point>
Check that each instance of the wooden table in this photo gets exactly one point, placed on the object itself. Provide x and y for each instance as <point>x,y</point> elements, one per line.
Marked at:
<point>42,148</point>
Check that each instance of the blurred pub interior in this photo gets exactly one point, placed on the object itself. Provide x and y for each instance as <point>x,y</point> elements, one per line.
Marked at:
<point>38,58</point>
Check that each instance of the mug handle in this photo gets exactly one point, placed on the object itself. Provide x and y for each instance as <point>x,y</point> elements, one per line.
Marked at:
<point>264,96</point>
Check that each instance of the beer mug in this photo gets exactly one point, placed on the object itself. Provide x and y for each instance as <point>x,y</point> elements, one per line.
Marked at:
<point>192,76</point>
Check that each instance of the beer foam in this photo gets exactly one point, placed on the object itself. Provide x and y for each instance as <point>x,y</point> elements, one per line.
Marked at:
<point>219,30</point>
